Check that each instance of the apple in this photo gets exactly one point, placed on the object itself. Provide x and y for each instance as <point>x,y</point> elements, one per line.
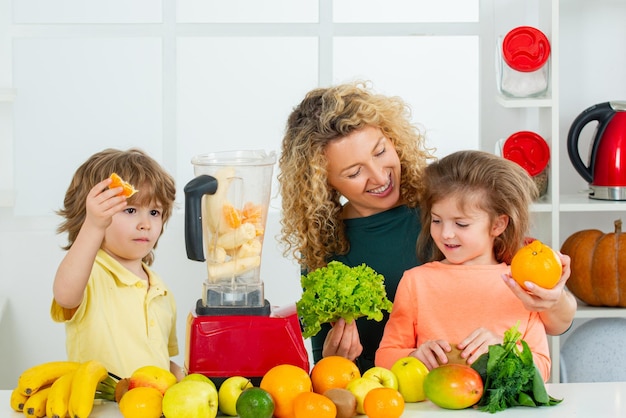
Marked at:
<point>410,373</point>
<point>190,399</point>
<point>359,388</point>
<point>228,393</point>
<point>453,386</point>
<point>384,376</point>
<point>200,377</point>
<point>152,376</point>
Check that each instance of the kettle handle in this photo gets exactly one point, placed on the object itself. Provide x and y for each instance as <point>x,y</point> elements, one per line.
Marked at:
<point>601,113</point>
<point>194,191</point>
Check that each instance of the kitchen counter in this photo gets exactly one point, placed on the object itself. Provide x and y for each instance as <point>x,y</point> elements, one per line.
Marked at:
<point>606,400</point>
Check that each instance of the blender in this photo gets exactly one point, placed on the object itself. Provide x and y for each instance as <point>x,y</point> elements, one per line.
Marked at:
<point>233,330</point>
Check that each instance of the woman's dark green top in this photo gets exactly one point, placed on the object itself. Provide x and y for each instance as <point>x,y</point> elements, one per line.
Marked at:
<point>385,242</point>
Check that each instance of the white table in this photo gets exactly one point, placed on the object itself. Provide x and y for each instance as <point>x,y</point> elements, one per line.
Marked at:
<point>602,400</point>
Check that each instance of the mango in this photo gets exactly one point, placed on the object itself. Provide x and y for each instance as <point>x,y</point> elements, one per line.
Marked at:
<point>453,386</point>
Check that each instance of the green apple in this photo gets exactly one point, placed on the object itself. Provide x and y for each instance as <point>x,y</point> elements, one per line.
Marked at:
<point>190,399</point>
<point>229,392</point>
<point>384,376</point>
<point>200,377</point>
<point>359,388</point>
<point>411,373</point>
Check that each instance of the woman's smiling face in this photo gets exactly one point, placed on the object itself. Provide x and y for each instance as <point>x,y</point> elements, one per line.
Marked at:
<point>365,168</point>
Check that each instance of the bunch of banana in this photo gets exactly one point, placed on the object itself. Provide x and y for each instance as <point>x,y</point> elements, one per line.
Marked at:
<point>56,389</point>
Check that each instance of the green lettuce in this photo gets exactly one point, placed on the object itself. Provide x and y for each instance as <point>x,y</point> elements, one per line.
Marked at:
<point>338,291</point>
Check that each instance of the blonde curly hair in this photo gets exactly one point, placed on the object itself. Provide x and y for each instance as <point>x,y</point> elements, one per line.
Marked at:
<point>134,166</point>
<point>312,228</point>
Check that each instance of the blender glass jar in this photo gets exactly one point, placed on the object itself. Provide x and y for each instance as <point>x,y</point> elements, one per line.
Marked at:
<point>233,225</point>
<point>523,63</point>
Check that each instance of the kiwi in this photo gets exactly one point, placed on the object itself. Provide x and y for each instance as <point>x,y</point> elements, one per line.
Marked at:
<point>344,400</point>
<point>454,356</point>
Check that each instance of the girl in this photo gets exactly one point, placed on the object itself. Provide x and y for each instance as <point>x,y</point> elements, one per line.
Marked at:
<point>115,308</point>
<point>475,216</point>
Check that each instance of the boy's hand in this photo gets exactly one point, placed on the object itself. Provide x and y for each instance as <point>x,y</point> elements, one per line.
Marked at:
<point>102,203</point>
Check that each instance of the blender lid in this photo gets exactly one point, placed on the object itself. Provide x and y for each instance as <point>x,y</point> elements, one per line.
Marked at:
<point>237,158</point>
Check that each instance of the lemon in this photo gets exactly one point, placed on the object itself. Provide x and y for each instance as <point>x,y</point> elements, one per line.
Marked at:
<point>142,402</point>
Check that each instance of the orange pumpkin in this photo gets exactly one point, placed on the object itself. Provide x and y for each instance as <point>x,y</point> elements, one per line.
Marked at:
<point>598,267</point>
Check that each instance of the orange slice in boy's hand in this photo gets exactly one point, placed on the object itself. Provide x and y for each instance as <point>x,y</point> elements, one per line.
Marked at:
<point>127,189</point>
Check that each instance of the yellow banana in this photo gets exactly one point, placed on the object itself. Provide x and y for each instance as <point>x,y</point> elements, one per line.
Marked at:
<point>59,396</point>
<point>35,405</point>
<point>18,399</point>
<point>43,374</point>
<point>86,379</point>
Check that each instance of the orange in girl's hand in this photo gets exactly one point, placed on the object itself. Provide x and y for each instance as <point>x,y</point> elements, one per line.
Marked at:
<point>536,263</point>
<point>127,189</point>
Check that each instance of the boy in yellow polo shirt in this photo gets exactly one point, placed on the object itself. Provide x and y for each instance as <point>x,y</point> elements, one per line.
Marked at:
<point>115,308</point>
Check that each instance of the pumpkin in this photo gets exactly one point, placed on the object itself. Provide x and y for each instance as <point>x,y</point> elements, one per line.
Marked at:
<point>598,267</point>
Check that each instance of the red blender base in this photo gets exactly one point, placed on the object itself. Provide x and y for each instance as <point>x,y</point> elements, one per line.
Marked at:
<point>221,346</point>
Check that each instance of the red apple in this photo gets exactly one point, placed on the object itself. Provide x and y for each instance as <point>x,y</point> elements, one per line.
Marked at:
<point>453,386</point>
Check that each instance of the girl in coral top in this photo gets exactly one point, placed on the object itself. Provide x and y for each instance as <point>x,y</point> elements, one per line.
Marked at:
<point>475,216</point>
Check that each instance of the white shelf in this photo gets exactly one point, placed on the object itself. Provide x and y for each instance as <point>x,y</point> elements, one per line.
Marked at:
<point>510,102</point>
<point>583,203</point>
<point>7,95</point>
<point>586,311</point>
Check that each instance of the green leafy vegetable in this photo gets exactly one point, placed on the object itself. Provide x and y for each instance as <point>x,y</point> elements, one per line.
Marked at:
<point>510,376</point>
<point>338,291</point>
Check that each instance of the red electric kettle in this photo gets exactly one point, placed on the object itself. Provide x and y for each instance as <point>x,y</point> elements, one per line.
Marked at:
<point>606,169</point>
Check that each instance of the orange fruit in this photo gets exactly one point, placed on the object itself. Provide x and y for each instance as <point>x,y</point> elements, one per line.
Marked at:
<point>383,403</point>
<point>232,216</point>
<point>284,382</point>
<point>537,263</point>
<point>253,214</point>
<point>313,405</point>
<point>333,372</point>
<point>127,189</point>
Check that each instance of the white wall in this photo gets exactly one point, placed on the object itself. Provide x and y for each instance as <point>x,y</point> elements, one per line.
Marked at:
<point>131,75</point>
<point>179,78</point>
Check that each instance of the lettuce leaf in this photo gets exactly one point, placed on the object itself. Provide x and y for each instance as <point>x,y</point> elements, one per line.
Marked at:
<point>338,291</point>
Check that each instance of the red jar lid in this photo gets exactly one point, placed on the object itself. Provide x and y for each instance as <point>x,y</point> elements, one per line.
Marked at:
<point>525,49</point>
<point>527,149</point>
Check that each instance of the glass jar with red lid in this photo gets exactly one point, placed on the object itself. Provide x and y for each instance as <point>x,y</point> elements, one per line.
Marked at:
<point>530,151</point>
<point>523,63</point>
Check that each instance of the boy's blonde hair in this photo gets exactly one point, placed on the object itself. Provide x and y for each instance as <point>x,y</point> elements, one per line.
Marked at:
<point>312,226</point>
<point>496,185</point>
<point>155,185</point>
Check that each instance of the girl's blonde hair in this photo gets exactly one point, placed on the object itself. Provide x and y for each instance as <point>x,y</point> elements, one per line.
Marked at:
<point>496,185</point>
<point>155,185</point>
<point>312,226</point>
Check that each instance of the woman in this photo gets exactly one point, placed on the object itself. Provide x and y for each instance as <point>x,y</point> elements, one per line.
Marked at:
<point>350,176</point>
